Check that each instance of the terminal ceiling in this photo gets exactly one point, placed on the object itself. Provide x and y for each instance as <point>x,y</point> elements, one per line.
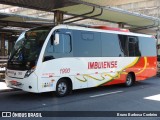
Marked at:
<point>8,19</point>
<point>79,7</point>
<point>17,23</point>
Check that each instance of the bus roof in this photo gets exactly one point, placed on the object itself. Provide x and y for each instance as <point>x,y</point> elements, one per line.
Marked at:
<point>110,28</point>
<point>100,30</point>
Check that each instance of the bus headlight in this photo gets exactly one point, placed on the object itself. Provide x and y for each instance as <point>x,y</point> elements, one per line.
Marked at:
<point>29,72</point>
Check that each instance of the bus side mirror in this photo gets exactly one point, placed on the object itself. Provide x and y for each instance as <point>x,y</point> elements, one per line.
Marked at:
<point>56,40</point>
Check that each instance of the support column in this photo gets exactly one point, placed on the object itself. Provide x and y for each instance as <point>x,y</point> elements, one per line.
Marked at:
<point>9,45</point>
<point>58,17</point>
<point>2,44</point>
<point>121,25</point>
<point>158,36</point>
<point>158,46</point>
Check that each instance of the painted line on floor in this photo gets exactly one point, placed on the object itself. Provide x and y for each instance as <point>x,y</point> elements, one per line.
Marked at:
<point>99,95</point>
<point>153,97</point>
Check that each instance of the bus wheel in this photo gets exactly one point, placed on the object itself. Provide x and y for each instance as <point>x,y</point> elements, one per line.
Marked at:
<point>62,88</point>
<point>129,80</point>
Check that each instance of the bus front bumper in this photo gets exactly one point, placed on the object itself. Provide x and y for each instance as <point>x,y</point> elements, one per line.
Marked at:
<point>28,84</point>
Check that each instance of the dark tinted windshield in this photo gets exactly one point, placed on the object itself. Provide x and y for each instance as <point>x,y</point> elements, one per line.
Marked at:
<point>27,49</point>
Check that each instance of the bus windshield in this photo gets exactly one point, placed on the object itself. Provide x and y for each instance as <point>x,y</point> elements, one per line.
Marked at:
<point>27,48</point>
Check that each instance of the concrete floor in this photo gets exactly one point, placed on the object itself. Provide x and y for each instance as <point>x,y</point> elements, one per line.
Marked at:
<point>111,98</point>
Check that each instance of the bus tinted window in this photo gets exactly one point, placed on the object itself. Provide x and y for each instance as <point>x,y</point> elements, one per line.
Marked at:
<point>110,45</point>
<point>147,46</point>
<point>64,45</point>
<point>87,36</point>
<point>49,48</point>
<point>133,46</point>
<point>123,40</point>
<point>86,44</point>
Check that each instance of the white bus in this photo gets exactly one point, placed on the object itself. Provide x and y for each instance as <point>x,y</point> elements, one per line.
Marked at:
<point>65,58</point>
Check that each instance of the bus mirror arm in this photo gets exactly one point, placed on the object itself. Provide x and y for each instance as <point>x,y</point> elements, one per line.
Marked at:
<point>52,39</point>
<point>25,36</point>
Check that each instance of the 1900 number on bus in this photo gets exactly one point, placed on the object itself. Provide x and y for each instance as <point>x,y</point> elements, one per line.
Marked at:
<point>64,70</point>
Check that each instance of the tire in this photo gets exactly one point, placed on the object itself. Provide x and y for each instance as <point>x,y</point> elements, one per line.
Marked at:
<point>129,80</point>
<point>62,88</point>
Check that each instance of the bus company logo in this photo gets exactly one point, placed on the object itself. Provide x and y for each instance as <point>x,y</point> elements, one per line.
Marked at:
<point>102,65</point>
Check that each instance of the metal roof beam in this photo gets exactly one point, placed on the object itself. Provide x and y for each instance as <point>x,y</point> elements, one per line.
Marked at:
<point>45,5</point>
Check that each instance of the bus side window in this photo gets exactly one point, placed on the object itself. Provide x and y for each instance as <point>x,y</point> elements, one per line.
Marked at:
<point>133,46</point>
<point>123,40</point>
<point>110,45</point>
<point>49,47</point>
<point>145,46</point>
<point>64,45</point>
